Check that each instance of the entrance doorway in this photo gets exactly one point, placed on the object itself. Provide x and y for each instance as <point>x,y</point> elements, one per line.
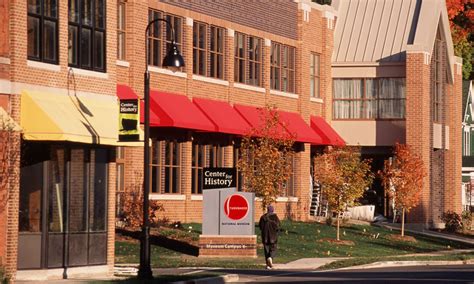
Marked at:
<point>63,203</point>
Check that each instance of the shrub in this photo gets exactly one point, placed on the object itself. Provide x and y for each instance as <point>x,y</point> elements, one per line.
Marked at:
<point>466,220</point>
<point>452,221</point>
<point>131,213</point>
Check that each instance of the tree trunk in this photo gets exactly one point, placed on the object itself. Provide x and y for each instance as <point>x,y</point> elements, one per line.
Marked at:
<point>403,222</point>
<point>337,227</point>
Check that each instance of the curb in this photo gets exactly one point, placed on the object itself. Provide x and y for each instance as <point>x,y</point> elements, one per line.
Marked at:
<point>380,264</point>
<point>228,278</point>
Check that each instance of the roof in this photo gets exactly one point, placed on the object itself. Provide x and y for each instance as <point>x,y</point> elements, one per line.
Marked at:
<point>381,31</point>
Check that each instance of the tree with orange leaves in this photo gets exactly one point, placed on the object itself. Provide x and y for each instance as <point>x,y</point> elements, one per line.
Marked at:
<point>343,177</point>
<point>266,157</point>
<point>402,178</point>
<point>461,21</point>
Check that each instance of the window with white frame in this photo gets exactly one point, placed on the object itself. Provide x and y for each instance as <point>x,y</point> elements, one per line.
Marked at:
<point>314,73</point>
<point>379,98</point>
<point>248,57</point>
<point>467,141</point>
<point>160,36</point>
<point>282,67</point>
<point>121,16</point>
<point>208,50</point>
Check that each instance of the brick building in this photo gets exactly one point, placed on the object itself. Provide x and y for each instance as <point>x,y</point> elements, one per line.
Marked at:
<point>63,65</point>
<point>397,59</point>
<point>234,57</point>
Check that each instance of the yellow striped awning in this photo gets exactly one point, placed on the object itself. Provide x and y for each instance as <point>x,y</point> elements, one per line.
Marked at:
<point>91,119</point>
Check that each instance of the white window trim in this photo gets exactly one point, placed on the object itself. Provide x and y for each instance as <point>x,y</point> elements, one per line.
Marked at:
<point>88,73</point>
<point>210,80</point>
<point>249,87</point>
<point>196,197</point>
<point>167,71</point>
<point>44,66</point>
<point>284,94</point>
<point>5,60</point>
<point>157,196</point>
<point>316,100</point>
<point>123,63</point>
<point>281,199</point>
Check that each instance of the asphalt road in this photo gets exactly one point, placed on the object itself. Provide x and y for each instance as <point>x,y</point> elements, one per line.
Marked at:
<point>408,274</point>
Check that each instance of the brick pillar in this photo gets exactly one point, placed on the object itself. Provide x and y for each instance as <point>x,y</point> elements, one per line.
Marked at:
<point>12,210</point>
<point>419,125</point>
<point>186,178</point>
<point>267,48</point>
<point>453,161</point>
<point>229,63</point>
<point>302,183</point>
<point>111,203</point>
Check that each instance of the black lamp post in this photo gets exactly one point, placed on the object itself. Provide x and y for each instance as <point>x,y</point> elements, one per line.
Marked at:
<point>172,59</point>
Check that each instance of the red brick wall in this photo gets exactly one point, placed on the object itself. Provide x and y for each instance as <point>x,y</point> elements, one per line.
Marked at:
<point>310,38</point>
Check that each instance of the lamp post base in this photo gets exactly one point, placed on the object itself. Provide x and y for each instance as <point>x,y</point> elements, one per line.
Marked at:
<point>144,272</point>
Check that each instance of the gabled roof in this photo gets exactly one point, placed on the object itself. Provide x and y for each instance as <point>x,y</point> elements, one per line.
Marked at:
<point>375,31</point>
<point>467,102</point>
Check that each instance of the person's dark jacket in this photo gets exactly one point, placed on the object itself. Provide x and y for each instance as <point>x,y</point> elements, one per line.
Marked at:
<point>269,226</point>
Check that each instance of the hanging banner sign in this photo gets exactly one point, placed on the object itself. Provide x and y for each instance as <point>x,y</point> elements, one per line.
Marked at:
<point>129,117</point>
<point>214,178</point>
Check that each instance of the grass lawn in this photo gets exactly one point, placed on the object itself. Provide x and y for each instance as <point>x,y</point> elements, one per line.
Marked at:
<point>178,247</point>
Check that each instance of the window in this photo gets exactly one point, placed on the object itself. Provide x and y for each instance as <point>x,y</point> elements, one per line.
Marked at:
<point>381,98</point>
<point>248,60</point>
<point>121,16</point>
<point>282,68</point>
<point>42,29</point>
<point>204,156</point>
<point>159,36</point>
<point>208,41</point>
<point>166,167</point>
<point>288,188</point>
<point>87,34</point>
<point>437,78</point>
<point>314,73</point>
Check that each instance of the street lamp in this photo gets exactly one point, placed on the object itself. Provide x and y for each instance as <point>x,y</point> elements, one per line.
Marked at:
<point>175,60</point>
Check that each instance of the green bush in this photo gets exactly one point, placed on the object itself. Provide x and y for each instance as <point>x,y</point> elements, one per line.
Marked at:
<point>452,221</point>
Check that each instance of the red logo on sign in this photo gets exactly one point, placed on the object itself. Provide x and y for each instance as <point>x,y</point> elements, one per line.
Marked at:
<point>236,207</point>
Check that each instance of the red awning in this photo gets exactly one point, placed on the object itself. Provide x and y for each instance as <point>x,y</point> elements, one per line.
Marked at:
<point>223,115</point>
<point>169,110</point>
<point>323,129</point>
<point>124,92</point>
<point>294,124</point>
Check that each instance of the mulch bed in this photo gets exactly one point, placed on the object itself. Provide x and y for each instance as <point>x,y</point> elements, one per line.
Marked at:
<point>402,239</point>
<point>340,242</point>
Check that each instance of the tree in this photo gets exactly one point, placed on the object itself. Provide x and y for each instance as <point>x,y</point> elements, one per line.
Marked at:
<point>343,177</point>
<point>402,178</point>
<point>9,154</point>
<point>266,157</point>
<point>461,21</point>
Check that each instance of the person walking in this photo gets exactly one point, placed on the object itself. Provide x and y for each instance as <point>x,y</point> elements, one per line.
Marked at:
<point>269,225</point>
